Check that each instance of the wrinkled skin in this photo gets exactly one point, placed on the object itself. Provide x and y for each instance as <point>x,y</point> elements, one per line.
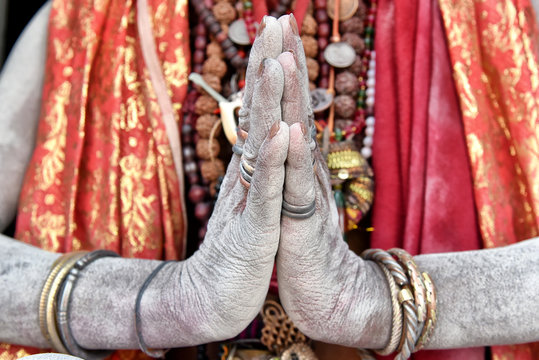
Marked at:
<point>211,296</point>
<point>333,295</point>
<point>329,292</point>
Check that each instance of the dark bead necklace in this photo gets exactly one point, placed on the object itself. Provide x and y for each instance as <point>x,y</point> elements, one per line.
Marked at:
<point>229,49</point>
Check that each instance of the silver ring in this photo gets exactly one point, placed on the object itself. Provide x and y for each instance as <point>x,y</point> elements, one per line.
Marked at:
<point>296,215</point>
<point>244,174</point>
<point>238,150</point>
<point>298,212</point>
<point>248,168</point>
<point>298,208</point>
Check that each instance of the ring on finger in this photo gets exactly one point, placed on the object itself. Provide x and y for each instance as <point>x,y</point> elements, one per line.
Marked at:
<point>246,173</point>
<point>298,211</point>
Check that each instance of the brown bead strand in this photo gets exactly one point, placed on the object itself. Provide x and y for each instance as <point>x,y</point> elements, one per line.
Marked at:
<point>230,51</point>
<point>197,192</point>
<point>213,68</point>
<point>309,29</point>
<point>346,82</point>
<point>322,19</point>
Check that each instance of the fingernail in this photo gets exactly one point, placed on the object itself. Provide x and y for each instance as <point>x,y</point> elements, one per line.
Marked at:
<point>261,27</point>
<point>303,129</point>
<point>295,57</point>
<point>293,24</point>
<point>261,67</point>
<point>274,129</point>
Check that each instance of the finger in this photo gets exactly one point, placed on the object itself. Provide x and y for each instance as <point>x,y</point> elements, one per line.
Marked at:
<point>292,105</point>
<point>264,199</point>
<point>292,42</point>
<point>265,108</point>
<point>299,187</point>
<point>268,44</point>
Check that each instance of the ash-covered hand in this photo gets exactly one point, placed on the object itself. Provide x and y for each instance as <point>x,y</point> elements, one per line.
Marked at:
<point>230,272</point>
<point>214,294</point>
<point>320,279</point>
<point>333,295</point>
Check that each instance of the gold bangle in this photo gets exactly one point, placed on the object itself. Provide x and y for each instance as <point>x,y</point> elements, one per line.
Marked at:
<point>56,266</point>
<point>431,312</point>
<point>47,305</point>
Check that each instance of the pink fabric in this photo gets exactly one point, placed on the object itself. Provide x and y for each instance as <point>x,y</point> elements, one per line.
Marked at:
<point>424,192</point>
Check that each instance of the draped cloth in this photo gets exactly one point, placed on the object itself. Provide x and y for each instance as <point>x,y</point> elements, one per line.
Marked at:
<point>424,193</point>
<point>103,175</point>
<point>495,59</point>
<point>456,151</point>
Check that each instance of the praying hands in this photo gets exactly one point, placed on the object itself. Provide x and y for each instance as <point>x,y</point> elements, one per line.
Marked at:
<point>275,203</point>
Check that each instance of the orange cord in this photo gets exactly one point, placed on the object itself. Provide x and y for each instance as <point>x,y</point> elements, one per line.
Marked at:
<point>335,37</point>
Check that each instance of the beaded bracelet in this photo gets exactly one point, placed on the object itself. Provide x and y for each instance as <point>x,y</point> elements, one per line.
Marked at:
<point>62,312</point>
<point>47,301</point>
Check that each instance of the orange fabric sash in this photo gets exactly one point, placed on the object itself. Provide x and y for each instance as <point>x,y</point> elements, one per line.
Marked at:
<point>494,52</point>
<point>103,174</point>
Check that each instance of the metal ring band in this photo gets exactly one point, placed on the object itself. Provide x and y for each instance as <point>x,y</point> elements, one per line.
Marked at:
<point>248,168</point>
<point>298,209</point>
<point>300,216</point>
<point>155,353</point>
<point>64,300</point>
<point>245,183</point>
<point>238,150</point>
<point>244,174</point>
<point>51,298</point>
<point>313,131</point>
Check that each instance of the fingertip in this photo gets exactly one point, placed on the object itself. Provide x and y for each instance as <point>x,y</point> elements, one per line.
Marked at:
<point>271,70</point>
<point>298,147</point>
<point>268,42</point>
<point>269,86</point>
<point>288,62</point>
<point>274,149</point>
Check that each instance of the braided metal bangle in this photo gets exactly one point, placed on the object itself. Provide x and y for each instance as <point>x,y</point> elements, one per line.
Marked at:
<point>64,300</point>
<point>431,312</point>
<point>155,353</point>
<point>405,297</point>
<point>416,281</point>
<point>49,299</point>
<point>396,328</point>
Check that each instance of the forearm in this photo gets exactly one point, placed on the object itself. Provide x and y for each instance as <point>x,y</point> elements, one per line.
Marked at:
<point>102,301</point>
<point>209,297</point>
<point>23,270</point>
<point>185,304</point>
<point>485,297</point>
